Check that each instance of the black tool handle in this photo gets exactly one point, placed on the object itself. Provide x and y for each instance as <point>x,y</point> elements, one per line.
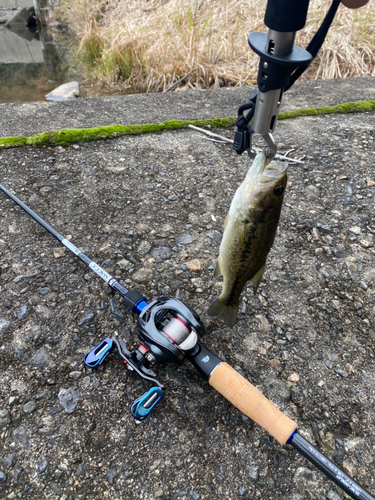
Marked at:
<point>286,15</point>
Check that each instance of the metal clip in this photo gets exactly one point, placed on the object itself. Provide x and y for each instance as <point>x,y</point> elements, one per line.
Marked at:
<point>143,406</point>
<point>271,150</point>
<point>95,358</point>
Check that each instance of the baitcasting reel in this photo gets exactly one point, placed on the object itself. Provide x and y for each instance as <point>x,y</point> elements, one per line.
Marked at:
<point>168,332</point>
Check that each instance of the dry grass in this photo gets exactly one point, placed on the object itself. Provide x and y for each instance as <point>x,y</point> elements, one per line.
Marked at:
<point>148,46</point>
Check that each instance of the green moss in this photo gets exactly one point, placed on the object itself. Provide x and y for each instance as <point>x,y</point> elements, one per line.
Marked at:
<point>65,137</point>
<point>13,142</point>
<point>348,107</point>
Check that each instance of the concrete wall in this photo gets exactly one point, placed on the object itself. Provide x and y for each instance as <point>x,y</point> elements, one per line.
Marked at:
<point>8,4</point>
<point>15,49</point>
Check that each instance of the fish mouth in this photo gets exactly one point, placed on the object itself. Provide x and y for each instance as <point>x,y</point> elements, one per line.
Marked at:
<point>263,171</point>
<point>273,171</point>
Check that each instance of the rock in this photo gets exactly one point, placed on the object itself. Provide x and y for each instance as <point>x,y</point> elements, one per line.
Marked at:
<point>366,243</point>
<point>194,496</point>
<point>17,353</point>
<point>214,236</point>
<point>42,395</point>
<point>343,373</point>
<point>4,325</point>
<point>142,275</point>
<point>41,380</point>
<point>323,227</point>
<point>312,193</point>
<point>355,230</point>
<point>352,270</point>
<point>21,437</point>
<point>112,473</point>
<point>194,265</point>
<point>144,248</point>
<point>8,461</point>
<point>40,358</point>
<point>332,495</point>
<point>3,477</point>
<point>59,252</point>
<point>305,477</point>
<point>68,399</point>
<point>42,465</point>
<point>87,318</point>
<point>115,309</point>
<point>29,407</point>
<point>338,455</point>
<point>253,472</point>
<point>293,377</point>
<point>328,272</point>
<point>4,418</point>
<point>347,201</point>
<point>125,333</point>
<point>161,253</point>
<point>79,471</point>
<point>18,386</point>
<point>274,362</point>
<point>185,239</point>
<point>23,312</point>
<point>75,375</point>
<point>65,92</point>
<point>124,264</point>
<point>34,200</point>
<point>16,475</point>
<point>339,254</point>
<point>43,311</point>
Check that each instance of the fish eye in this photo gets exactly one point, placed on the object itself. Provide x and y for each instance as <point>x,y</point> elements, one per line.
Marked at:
<point>278,190</point>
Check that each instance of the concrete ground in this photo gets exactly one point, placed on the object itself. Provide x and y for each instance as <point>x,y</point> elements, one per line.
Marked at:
<point>150,210</point>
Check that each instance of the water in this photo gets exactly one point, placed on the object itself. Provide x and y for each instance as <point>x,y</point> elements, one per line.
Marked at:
<point>23,82</point>
<point>29,69</point>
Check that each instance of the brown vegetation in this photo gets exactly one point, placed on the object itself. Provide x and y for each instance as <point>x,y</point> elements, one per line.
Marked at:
<point>148,46</point>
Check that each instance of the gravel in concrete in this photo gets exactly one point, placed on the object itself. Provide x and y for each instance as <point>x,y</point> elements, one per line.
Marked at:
<point>145,208</point>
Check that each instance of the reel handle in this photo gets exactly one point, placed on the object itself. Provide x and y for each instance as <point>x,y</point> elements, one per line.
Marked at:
<point>244,396</point>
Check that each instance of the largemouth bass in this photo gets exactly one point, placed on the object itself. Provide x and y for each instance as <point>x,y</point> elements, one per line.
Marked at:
<point>249,231</point>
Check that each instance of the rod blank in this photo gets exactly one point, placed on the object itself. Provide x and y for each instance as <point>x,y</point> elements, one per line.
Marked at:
<point>91,264</point>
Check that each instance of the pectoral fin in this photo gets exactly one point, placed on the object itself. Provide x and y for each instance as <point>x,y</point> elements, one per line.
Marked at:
<point>255,280</point>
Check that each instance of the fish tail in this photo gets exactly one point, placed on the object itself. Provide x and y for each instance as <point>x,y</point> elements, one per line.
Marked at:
<point>227,312</point>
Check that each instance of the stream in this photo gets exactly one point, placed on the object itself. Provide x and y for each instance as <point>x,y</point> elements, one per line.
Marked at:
<point>31,62</point>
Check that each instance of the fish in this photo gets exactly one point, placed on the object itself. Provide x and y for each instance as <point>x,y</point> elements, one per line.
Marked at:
<point>249,232</point>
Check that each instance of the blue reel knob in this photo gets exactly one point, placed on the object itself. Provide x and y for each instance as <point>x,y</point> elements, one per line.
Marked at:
<point>142,407</point>
<point>95,358</point>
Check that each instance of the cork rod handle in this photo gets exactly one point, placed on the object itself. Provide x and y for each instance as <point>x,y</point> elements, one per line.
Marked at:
<point>251,402</point>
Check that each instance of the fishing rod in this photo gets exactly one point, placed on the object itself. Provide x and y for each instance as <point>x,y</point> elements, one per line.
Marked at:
<point>169,332</point>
